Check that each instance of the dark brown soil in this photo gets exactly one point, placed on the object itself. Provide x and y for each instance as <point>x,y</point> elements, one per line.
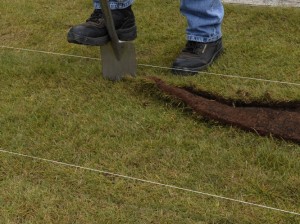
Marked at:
<point>281,120</point>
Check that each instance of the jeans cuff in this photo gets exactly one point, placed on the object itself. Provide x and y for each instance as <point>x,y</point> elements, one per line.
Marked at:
<point>115,5</point>
<point>203,39</point>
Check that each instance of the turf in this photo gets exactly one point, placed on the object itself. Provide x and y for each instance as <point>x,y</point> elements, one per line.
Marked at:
<point>60,108</point>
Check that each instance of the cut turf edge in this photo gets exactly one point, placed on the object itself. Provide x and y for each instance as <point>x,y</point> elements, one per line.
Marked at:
<point>279,119</point>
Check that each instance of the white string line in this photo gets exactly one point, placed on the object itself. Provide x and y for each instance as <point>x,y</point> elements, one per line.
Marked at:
<point>156,66</point>
<point>223,75</point>
<point>149,182</point>
<point>49,52</point>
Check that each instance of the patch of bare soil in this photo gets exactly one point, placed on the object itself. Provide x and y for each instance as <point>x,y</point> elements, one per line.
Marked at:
<point>280,119</point>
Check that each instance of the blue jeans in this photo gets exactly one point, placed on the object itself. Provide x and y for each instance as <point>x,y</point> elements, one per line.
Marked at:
<point>114,4</point>
<point>204,17</point>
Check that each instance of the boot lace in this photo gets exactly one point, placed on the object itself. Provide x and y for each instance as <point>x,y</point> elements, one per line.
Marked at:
<point>97,16</point>
<point>195,47</point>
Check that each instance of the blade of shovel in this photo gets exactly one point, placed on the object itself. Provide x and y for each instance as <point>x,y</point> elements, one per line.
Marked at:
<point>118,57</point>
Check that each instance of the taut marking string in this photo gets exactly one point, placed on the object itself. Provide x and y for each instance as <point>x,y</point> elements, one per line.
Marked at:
<point>149,182</point>
<point>156,66</point>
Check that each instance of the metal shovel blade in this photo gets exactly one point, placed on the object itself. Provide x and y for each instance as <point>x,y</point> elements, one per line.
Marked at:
<point>118,57</point>
<point>115,69</point>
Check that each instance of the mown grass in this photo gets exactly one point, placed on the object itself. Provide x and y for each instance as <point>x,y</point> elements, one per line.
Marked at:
<point>60,108</point>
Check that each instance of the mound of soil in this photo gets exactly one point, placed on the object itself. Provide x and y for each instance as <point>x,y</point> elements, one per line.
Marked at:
<point>281,120</point>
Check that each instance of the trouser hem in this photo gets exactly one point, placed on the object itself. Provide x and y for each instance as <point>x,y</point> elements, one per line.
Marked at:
<point>114,5</point>
<point>203,39</point>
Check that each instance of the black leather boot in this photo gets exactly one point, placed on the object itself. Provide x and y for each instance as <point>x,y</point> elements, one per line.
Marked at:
<point>93,32</point>
<point>196,56</point>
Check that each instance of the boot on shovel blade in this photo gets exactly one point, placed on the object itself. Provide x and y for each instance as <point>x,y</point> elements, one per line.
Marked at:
<point>118,57</point>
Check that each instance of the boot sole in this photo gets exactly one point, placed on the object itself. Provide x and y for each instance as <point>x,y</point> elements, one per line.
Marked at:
<point>128,34</point>
<point>194,71</point>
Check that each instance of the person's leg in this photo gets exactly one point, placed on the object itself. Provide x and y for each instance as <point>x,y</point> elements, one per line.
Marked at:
<point>204,19</point>
<point>93,32</point>
<point>203,33</point>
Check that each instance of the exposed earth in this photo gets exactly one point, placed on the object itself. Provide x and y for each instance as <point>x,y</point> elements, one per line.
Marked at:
<point>280,119</point>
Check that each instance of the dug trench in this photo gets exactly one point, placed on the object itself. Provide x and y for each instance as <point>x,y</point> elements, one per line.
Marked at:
<point>278,119</point>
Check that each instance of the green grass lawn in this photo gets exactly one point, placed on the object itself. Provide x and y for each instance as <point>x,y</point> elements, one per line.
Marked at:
<point>61,108</point>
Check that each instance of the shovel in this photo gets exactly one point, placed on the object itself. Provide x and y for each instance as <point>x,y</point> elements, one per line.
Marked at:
<point>118,57</point>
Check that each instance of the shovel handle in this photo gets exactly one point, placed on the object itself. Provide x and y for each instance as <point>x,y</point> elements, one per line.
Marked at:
<point>110,26</point>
